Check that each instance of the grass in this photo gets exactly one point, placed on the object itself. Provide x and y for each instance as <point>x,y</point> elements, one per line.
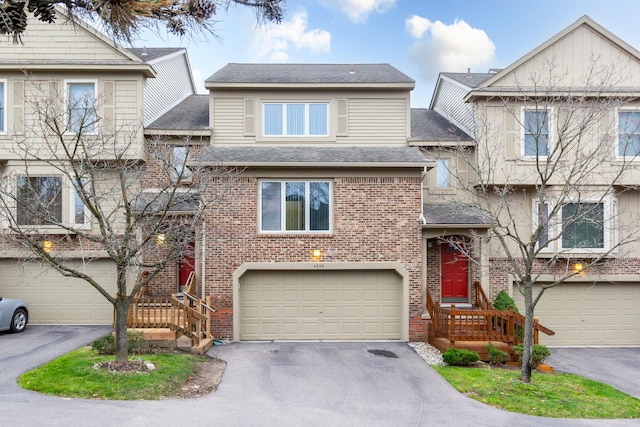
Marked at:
<point>74,375</point>
<point>555,395</point>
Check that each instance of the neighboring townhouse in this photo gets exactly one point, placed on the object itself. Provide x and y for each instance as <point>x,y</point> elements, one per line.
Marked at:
<point>59,63</point>
<point>319,235</point>
<point>484,121</point>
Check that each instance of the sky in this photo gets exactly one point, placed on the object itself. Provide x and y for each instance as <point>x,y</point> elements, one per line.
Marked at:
<point>419,37</point>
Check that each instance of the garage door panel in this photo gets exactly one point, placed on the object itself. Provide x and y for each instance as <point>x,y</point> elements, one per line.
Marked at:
<point>331,304</point>
<point>587,314</point>
<point>54,299</point>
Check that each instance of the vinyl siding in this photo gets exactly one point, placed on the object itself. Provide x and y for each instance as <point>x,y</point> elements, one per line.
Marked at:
<point>172,85</point>
<point>449,102</point>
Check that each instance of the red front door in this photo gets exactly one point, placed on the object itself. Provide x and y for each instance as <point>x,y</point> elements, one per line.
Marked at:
<point>187,264</point>
<point>454,267</point>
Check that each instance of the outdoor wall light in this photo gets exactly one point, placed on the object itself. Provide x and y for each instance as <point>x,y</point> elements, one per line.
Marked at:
<point>47,245</point>
<point>577,267</point>
<point>160,239</point>
<point>316,253</point>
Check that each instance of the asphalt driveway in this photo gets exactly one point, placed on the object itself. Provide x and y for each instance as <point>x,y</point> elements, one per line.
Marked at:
<point>265,384</point>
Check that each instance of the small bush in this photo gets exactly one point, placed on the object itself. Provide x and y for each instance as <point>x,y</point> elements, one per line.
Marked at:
<point>538,353</point>
<point>503,301</point>
<point>107,343</point>
<point>460,357</point>
<point>496,356</point>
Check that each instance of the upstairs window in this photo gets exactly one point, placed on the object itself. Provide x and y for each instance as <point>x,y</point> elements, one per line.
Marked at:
<point>628,133</point>
<point>39,200</point>
<point>295,206</point>
<point>583,226</point>
<point>442,173</point>
<point>180,171</point>
<point>296,119</point>
<point>3,103</point>
<point>535,133</point>
<point>81,97</point>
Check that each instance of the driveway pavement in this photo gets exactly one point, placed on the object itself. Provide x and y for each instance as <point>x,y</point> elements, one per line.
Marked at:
<point>265,384</point>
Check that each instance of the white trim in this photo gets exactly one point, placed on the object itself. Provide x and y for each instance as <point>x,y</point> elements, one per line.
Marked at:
<point>617,132</point>
<point>524,109</point>
<point>283,194</point>
<point>68,82</point>
<point>3,100</point>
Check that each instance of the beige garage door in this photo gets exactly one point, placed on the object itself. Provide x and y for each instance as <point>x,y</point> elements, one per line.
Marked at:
<point>341,305</point>
<point>583,314</point>
<point>54,299</point>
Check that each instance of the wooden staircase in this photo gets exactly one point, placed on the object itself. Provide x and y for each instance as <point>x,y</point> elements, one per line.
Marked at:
<point>188,316</point>
<point>473,328</point>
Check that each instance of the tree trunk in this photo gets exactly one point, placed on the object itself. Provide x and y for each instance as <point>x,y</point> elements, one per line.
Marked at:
<point>525,371</point>
<point>122,308</point>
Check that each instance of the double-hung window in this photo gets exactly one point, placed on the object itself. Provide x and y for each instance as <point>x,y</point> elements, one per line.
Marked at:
<point>81,101</point>
<point>628,133</point>
<point>41,201</point>
<point>3,106</point>
<point>295,119</point>
<point>535,138</point>
<point>295,206</point>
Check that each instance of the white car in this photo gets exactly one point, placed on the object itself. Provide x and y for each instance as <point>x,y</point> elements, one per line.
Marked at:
<point>14,315</point>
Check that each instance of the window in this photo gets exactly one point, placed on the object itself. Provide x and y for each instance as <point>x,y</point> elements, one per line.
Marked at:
<point>628,133</point>
<point>535,133</point>
<point>295,206</point>
<point>180,170</point>
<point>41,201</point>
<point>81,97</point>
<point>296,119</point>
<point>583,226</point>
<point>3,103</point>
<point>442,173</point>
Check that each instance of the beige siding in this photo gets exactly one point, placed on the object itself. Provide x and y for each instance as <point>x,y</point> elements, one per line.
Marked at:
<point>62,42</point>
<point>172,85</point>
<point>377,121</point>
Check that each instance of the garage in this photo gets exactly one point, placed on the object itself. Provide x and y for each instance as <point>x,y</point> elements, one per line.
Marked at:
<point>313,305</point>
<point>54,299</point>
<point>588,314</point>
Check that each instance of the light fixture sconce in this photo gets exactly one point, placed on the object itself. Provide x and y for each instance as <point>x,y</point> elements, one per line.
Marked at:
<point>47,245</point>
<point>316,253</point>
<point>577,267</point>
<point>160,239</point>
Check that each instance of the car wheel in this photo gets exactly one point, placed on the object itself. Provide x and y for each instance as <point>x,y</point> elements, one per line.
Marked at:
<point>19,320</point>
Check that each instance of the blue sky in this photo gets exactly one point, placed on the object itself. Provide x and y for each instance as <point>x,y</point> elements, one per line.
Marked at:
<point>419,37</point>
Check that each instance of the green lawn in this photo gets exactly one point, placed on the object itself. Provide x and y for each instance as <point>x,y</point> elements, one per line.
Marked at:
<point>74,375</point>
<point>555,395</point>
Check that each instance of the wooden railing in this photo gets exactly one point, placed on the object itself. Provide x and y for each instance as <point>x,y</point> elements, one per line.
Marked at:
<point>482,301</point>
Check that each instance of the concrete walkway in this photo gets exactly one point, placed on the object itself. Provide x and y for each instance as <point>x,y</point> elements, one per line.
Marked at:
<point>265,384</point>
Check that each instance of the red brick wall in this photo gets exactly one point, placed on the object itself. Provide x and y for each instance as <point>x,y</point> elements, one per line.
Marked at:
<point>374,220</point>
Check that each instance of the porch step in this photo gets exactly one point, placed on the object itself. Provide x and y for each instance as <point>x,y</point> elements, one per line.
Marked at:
<point>155,334</point>
<point>202,347</point>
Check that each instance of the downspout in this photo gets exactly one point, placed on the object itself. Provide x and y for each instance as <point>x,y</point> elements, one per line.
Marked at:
<point>203,252</point>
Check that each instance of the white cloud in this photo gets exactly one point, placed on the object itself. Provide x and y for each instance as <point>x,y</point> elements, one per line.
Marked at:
<point>417,26</point>
<point>450,48</point>
<point>273,42</point>
<point>359,10</point>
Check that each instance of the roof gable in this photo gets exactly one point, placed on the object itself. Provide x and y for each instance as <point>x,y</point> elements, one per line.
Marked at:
<point>571,55</point>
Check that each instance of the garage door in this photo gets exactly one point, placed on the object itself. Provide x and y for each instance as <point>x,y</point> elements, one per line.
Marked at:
<point>341,305</point>
<point>54,299</point>
<point>583,314</point>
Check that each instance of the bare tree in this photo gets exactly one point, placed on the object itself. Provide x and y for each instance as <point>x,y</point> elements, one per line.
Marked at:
<point>552,165</point>
<point>123,19</point>
<point>81,189</point>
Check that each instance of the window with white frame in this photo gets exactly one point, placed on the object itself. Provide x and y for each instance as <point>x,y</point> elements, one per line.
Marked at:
<point>40,201</point>
<point>583,226</point>
<point>3,108</point>
<point>628,133</point>
<point>81,101</point>
<point>535,128</point>
<point>442,173</point>
<point>295,206</point>
<point>295,119</point>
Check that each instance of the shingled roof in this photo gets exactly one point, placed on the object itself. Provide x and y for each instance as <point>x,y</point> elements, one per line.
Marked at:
<point>148,54</point>
<point>190,114</point>
<point>472,80</point>
<point>439,214</point>
<point>429,125</point>
<point>313,156</point>
<point>235,73</point>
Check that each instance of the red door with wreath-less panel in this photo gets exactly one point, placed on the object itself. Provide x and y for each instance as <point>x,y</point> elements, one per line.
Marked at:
<point>187,264</point>
<point>454,267</point>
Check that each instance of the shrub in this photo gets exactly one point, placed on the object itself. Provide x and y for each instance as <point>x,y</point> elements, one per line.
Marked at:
<point>496,356</point>
<point>460,357</point>
<point>107,343</point>
<point>538,353</point>
<point>503,301</point>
